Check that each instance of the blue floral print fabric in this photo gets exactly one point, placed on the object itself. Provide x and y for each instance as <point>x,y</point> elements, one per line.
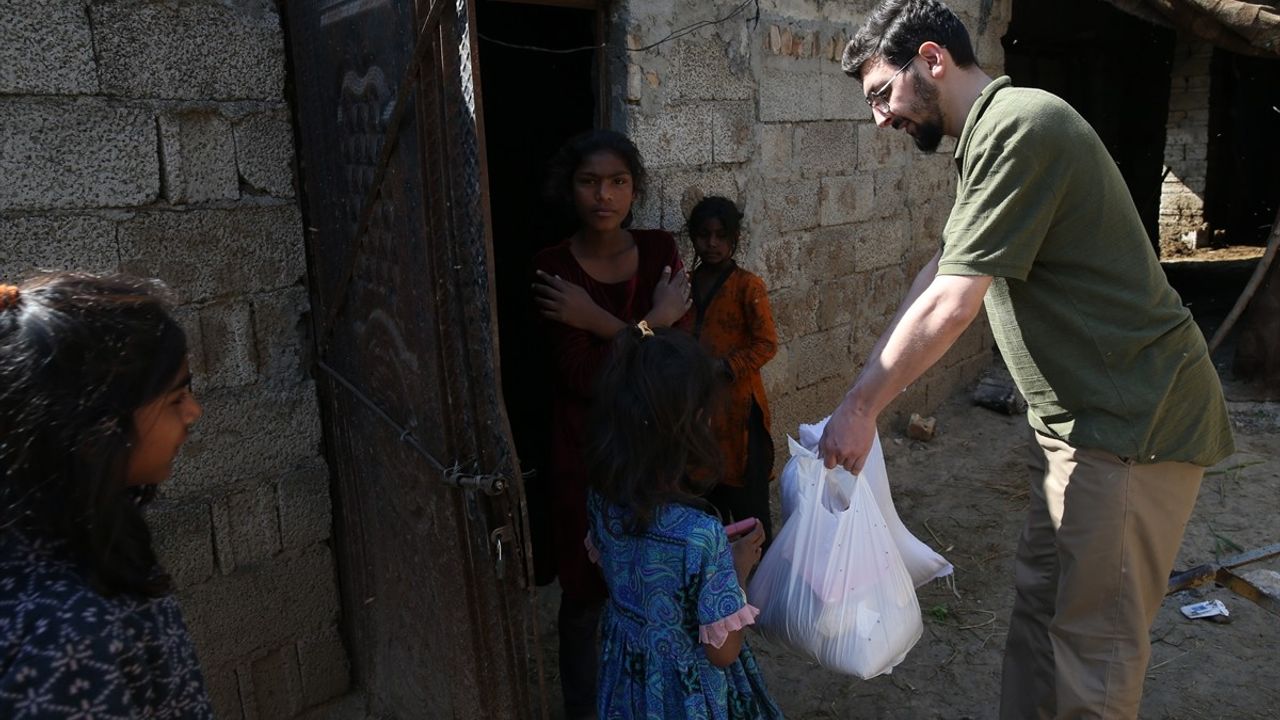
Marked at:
<point>68,652</point>
<point>663,585</point>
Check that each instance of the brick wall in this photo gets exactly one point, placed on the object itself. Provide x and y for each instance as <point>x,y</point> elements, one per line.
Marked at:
<point>1186,144</point>
<point>839,214</point>
<point>154,138</point>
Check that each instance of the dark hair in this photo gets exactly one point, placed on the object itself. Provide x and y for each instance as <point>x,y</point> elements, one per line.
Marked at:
<point>570,156</point>
<point>896,29</point>
<point>718,208</point>
<point>651,422</point>
<point>78,355</point>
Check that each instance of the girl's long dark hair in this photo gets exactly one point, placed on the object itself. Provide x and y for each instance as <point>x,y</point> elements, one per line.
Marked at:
<point>650,424</point>
<point>78,355</point>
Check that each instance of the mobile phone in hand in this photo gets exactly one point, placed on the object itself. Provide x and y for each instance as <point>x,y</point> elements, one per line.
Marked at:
<point>742,527</point>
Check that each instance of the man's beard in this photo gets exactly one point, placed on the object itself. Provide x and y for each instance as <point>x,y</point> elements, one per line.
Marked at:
<point>929,131</point>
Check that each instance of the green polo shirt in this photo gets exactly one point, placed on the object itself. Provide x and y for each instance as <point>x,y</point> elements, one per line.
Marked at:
<point>1099,344</point>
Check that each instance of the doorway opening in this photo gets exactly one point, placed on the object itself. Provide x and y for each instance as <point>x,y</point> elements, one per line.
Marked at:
<point>1118,71</point>
<point>534,100</point>
<point>1072,50</point>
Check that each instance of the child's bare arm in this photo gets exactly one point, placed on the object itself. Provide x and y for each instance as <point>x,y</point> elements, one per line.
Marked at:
<point>728,652</point>
<point>569,303</point>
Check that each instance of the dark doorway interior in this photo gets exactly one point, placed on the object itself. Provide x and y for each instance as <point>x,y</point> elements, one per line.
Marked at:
<point>1113,69</point>
<point>533,102</point>
<point>1243,185</point>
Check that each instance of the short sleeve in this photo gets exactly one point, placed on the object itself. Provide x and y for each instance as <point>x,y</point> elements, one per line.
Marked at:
<point>722,605</point>
<point>1005,201</point>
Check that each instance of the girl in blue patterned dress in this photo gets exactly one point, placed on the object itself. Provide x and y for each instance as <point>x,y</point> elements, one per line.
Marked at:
<point>671,635</point>
<point>95,400</point>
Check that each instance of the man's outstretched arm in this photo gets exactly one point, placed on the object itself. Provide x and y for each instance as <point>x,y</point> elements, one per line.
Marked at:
<point>922,331</point>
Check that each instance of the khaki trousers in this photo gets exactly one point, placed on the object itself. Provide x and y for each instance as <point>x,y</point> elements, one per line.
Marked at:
<point>1091,571</point>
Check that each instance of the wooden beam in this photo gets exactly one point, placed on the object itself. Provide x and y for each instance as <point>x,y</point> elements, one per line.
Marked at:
<point>579,4</point>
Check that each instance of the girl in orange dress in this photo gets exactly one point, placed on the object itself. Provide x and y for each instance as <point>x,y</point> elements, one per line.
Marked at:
<point>734,323</point>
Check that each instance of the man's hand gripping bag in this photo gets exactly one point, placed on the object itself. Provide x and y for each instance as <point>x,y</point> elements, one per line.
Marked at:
<point>833,585</point>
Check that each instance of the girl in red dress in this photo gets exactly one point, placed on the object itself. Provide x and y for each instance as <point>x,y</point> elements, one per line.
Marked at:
<point>601,279</point>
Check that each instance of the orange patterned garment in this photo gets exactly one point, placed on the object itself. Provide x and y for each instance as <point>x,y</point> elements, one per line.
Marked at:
<point>737,325</point>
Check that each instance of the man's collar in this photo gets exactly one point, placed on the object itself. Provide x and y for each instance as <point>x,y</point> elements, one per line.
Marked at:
<point>979,106</point>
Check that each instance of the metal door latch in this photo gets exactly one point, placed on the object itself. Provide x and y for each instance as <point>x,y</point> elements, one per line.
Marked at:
<point>503,541</point>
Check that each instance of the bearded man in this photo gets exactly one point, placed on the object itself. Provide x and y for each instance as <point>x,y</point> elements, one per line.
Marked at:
<point>1126,407</point>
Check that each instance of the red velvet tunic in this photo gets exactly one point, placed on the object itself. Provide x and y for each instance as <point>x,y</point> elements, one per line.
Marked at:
<point>577,357</point>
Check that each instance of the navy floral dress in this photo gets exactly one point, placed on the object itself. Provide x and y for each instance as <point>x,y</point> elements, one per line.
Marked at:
<point>68,652</point>
<point>669,589</point>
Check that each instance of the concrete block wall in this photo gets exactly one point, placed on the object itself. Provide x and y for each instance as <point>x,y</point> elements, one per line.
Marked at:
<point>840,215</point>
<point>154,138</point>
<point>1186,147</point>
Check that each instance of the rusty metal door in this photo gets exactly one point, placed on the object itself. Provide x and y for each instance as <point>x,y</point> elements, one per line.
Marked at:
<point>429,517</point>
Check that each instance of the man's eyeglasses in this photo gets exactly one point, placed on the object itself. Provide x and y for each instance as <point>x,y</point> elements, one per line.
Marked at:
<point>877,99</point>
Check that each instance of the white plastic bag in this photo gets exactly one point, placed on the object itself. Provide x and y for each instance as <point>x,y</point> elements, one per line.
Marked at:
<point>833,585</point>
<point>922,562</point>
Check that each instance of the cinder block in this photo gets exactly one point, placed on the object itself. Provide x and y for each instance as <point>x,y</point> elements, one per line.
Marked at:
<point>1197,152</point>
<point>647,212</point>
<point>254,524</point>
<point>793,204</point>
<point>826,148</point>
<point>46,48</point>
<point>682,189</point>
<point>820,356</point>
<point>795,312</point>
<point>808,404</point>
<point>268,606</point>
<point>732,126</point>
<point>228,343</point>
<point>188,316</point>
<point>831,252</point>
<point>282,332</point>
<point>781,265</point>
<point>706,68</point>
<point>891,192</point>
<point>790,90</point>
<point>879,147</point>
<point>305,509</point>
<point>183,538</point>
<point>842,97</point>
<point>776,373</point>
<point>75,242</point>
<point>675,136</point>
<point>838,300</point>
<point>264,153</point>
<point>777,150</point>
<point>209,51</point>
<point>325,671</point>
<point>845,200</point>
<point>224,553</point>
<point>199,154</point>
<point>1190,100</point>
<point>76,154</point>
<point>277,683</point>
<point>886,289</point>
<point>248,433</point>
<point>204,254</point>
<point>224,692</point>
<point>933,178</point>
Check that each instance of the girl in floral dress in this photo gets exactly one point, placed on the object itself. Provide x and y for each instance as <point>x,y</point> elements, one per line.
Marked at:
<point>95,401</point>
<point>672,641</point>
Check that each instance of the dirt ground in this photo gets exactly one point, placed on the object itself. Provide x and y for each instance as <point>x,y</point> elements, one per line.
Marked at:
<point>1173,252</point>
<point>965,494</point>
